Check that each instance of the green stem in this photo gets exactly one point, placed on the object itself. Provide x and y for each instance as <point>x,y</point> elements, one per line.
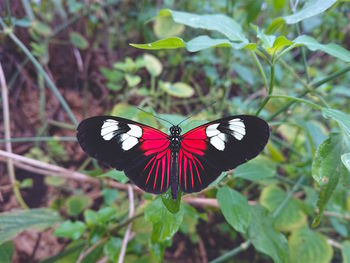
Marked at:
<point>303,54</point>
<point>267,98</point>
<point>305,92</point>
<point>288,197</point>
<point>41,71</point>
<point>314,105</point>
<point>232,253</point>
<point>261,70</point>
<point>28,10</point>
<point>39,139</point>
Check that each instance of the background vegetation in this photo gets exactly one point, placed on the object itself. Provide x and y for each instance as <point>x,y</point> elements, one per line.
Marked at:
<point>286,61</point>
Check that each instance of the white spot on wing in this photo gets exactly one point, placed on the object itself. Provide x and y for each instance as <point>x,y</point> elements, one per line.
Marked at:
<point>222,136</point>
<point>129,142</point>
<point>217,143</point>
<point>212,130</point>
<point>237,128</point>
<point>108,128</point>
<point>135,131</point>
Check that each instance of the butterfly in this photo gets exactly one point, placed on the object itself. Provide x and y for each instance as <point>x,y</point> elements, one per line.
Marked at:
<point>155,161</point>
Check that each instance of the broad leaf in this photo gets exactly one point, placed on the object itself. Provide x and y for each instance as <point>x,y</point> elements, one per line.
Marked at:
<point>77,203</point>
<point>309,246</point>
<point>167,43</point>
<point>164,27</point>
<point>340,117</point>
<point>327,168</point>
<point>14,222</point>
<point>265,238</point>
<point>235,208</point>
<point>170,204</point>
<point>331,49</point>
<point>290,217</point>
<point>218,22</point>
<point>311,8</point>
<point>153,65</point>
<point>165,224</point>
<point>345,158</point>
<point>256,170</point>
<point>178,89</point>
<point>204,42</point>
<point>6,252</point>
<point>345,251</point>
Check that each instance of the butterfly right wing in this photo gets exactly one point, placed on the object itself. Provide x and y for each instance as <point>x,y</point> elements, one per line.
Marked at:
<point>142,152</point>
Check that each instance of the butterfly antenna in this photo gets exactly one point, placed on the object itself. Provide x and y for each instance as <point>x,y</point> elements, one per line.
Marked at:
<point>155,116</point>
<point>197,111</point>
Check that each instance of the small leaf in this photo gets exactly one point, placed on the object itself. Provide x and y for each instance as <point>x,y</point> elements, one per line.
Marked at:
<point>78,40</point>
<point>41,28</point>
<point>112,75</point>
<point>6,252</point>
<point>112,248</point>
<point>54,181</point>
<point>23,22</point>
<point>170,204</point>
<point>345,251</point>
<point>76,204</point>
<point>311,8</point>
<point>165,224</point>
<point>290,217</point>
<point>14,222</point>
<point>265,238</point>
<point>109,196</point>
<point>178,89</point>
<point>309,246</point>
<point>27,183</point>
<point>276,24</point>
<point>153,65</point>
<point>119,176</point>
<point>164,27</point>
<point>167,43</point>
<point>256,170</point>
<point>235,208</point>
<point>331,49</point>
<point>69,229</point>
<point>279,44</point>
<point>132,80</point>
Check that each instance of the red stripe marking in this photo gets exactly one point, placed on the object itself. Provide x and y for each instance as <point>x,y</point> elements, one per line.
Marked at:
<point>190,162</point>
<point>195,158</point>
<point>163,170</point>
<point>185,171</point>
<point>149,162</point>
<point>199,177</point>
<point>180,164</point>
<point>155,179</point>
<point>170,163</point>
<point>149,174</point>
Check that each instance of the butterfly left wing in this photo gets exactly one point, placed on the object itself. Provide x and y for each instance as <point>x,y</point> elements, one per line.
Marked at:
<point>142,152</point>
<point>218,146</point>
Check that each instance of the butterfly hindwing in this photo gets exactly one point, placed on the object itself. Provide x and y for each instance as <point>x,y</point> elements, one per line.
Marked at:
<point>218,146</point>
<point>142,152</point>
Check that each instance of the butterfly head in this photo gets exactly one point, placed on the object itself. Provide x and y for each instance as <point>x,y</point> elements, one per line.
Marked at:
<point>175,130</point>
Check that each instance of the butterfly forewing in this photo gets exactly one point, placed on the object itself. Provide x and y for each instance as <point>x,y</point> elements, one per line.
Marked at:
<point>218,146</point>
<point>142,152</point>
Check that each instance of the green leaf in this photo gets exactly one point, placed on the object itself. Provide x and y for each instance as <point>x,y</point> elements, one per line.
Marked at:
<point>6,252</point>
<point>76,204</point>
<point>164,27</point>
<point>167,43</point>
<point>178,89</point>
<point>14,222</point>
<point>119,176</point>
<point>327,168</point>
<point>309,246</point>
<point>345,251</point>
<point>153,65</point>
<point>290,217</point>
<point>265,238</point>
<point>112,75</point>
<point>204,42</point>
<point>217,22</point>
<point>170,204</point>
<point>279,44</point>
<point>345,158</point>
<point>256,170</point>
<point>26,183</point>
<point>69,254</point>
<point>311,8</point>
<point>55,181</point>
<point>132,80</point>
<point>109,196</point>
<point>125,110</point>
<point>69,229</point>
<point>112,248</point>
<point>331,49</point>
<point>78,40</point>
<point>340,117</point>
<point>41,28</point>
<point>235,208</point>
<point>165,224</point>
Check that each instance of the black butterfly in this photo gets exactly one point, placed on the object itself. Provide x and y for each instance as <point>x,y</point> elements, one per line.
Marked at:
<point>155,161</point>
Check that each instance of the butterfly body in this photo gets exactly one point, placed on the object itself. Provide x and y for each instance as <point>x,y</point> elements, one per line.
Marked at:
<point>156,161</point>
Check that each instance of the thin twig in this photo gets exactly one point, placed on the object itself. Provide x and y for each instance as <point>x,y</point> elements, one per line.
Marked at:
<point>334,243</point>
<point>128,229</point>
<point>6,115</point>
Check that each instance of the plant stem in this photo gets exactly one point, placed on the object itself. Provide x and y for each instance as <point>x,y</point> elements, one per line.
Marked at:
<point>261,70</point>
<point>40,70</point>
<point>267,98</point>
<point>28,10</point>
<point>305,92</point>
<point>303,54</point>
<point>314,105</point>
<point>232,253</point>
